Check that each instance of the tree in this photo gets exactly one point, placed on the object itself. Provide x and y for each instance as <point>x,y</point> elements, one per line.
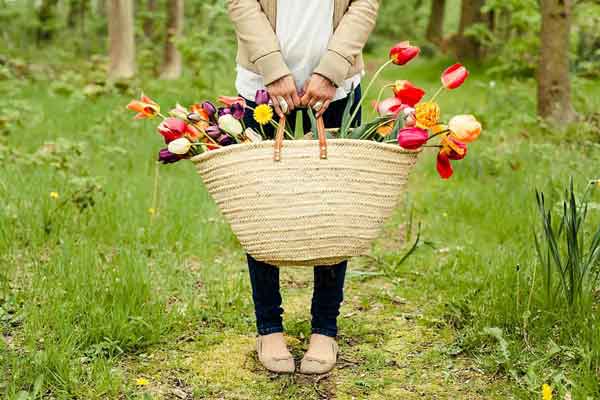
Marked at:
<point>46,19</point>
<point>468,47</point>
<point>435,27</point>
<point>121,39</point>
<point>148,24</point>
<point>554,85</point>
<point>76,15</point>
<point>172,58</point>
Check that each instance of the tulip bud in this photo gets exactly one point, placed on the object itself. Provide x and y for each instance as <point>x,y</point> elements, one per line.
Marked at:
<point>179,112</point>
<point>390,106</point>
<point>210,109</point>
<point>412,138</point>
<point>407,93</point>
<point>252,135</point>
<point>166,157</point>
<point>465,128</point>
<point>262,97</point>
<point>403,52</point>
<point>213,131</point>
<point>179,146</point>
<point>224,111</point>
<point>237,110</point>
<point>230,125</point>
<point>225,140</point>
<point>454,76</point>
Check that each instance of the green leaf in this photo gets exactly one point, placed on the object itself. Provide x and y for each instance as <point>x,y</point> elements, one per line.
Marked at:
<point>363,130</point>
<point>346,116</point>
<point>299,127</point>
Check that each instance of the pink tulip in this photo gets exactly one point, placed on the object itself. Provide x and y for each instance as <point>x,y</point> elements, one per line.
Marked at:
<point>390,106</point>
<point>412,138</point>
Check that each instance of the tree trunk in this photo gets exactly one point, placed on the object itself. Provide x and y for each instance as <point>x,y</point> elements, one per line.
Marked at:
<point>46,19</point>
<point>149,18</point>
<point>172,58</point>
<point>468,47</point>
<point>435,28</point>
<point>121,39</point>
<point>554,86</point>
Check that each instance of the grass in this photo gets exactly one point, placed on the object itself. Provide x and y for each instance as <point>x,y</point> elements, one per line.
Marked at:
<point>96,291</point>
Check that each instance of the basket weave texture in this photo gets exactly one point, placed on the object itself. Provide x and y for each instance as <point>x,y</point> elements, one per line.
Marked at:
<point>304,210</point>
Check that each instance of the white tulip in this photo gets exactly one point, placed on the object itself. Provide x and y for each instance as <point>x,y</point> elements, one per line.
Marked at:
<point>230,125</point>
<point>179,146</point>
<point>252,135</point>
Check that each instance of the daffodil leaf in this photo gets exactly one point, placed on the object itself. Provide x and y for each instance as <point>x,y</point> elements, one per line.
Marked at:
<point>299,127</point>
<point>313,123</point>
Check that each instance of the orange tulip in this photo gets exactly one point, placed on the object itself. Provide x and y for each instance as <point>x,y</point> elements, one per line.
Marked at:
<point>465,128</point>
<point>230,100</point>
<point>145,107</point>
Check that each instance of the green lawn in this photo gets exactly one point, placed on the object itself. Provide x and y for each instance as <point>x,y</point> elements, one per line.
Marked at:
<point>96,292</point>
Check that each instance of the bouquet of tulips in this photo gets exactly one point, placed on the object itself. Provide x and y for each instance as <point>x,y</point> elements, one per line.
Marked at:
<point>403,118</point>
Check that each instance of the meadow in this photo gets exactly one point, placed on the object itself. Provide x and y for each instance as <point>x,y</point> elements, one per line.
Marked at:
<point>116,283</point>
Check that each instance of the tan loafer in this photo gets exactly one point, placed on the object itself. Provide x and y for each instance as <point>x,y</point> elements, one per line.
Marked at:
<point>322,360</point>
<point>279,364</point>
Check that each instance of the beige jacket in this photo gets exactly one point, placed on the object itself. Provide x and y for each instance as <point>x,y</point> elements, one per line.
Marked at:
<point>258,47</point>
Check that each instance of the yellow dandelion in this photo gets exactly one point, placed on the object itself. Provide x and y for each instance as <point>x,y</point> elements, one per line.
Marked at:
<point>546,392</point>
<point>142,381</point>
<point>263,114</point>
<point>54,195</point>
<point>152,211</point>
<point>427,114</point>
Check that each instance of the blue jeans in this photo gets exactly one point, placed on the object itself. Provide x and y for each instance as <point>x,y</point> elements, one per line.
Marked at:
<point>328,291</point>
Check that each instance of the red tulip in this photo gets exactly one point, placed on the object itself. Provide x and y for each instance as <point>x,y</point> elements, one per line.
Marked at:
<point>443,166</point>
<point>174,128</point>
<point>454,76</point>
<point>412,138</point>
<point>407,93</point>
<point>403,52</point>
<point>451,149</point>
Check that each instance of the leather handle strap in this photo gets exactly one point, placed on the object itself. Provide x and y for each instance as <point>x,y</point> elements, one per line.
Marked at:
<point>281,131</point>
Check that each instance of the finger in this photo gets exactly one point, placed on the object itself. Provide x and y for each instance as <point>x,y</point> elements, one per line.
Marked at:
<point>290,102</point>
<point>312,101</point>
<point>305,99</point>
<point>296,99</point>
<point>276,106</point>
<point>324,108</point>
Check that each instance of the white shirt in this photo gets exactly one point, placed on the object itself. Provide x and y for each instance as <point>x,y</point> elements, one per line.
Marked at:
<point>303,30</point>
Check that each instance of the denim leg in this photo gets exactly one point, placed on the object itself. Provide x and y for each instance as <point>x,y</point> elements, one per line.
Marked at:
<point>328,295</point>
<point>266,296</point>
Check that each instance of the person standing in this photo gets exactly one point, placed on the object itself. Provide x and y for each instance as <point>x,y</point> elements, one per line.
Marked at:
<point>304,53</point>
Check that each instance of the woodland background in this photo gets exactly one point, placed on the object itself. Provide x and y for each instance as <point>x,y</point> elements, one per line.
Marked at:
<point>101,297</point>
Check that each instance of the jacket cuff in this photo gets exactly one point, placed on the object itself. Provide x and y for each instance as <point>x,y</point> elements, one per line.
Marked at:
<point>334,67</point>
<point>272,67</point>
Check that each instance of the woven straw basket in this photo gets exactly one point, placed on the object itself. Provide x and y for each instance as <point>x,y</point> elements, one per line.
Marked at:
<point>307,208</point>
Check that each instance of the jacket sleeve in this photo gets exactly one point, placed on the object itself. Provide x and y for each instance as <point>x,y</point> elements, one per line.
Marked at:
<point>256,34</point>
<point>348,40</point>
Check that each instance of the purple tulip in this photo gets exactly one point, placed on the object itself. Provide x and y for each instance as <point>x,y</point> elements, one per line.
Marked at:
<point>237,110</point>
<point>223,111</point>
<point>210,109</point>
<point>166,157</point>
<point>213,131</point>
<point>262,97</point>
<point>225,140</point>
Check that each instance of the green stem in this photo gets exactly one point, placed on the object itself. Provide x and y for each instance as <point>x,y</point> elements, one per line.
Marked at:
<point>364,96</point>
<point>438,134</point>
<point>437,93</point>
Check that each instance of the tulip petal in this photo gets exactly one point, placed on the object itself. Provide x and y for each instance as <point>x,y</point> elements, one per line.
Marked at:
<point>454,76</point>
<point>443,165</point>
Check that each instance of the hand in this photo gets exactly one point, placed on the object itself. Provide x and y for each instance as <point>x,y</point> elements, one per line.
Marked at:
<point>286,88</point>
<point>318,88</point>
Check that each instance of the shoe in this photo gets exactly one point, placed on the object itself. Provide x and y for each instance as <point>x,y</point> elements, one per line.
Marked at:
<point>281,363</point>
<point>321,355</point>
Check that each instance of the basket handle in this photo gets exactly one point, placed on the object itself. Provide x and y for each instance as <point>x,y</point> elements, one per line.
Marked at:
<point>280,133</point>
